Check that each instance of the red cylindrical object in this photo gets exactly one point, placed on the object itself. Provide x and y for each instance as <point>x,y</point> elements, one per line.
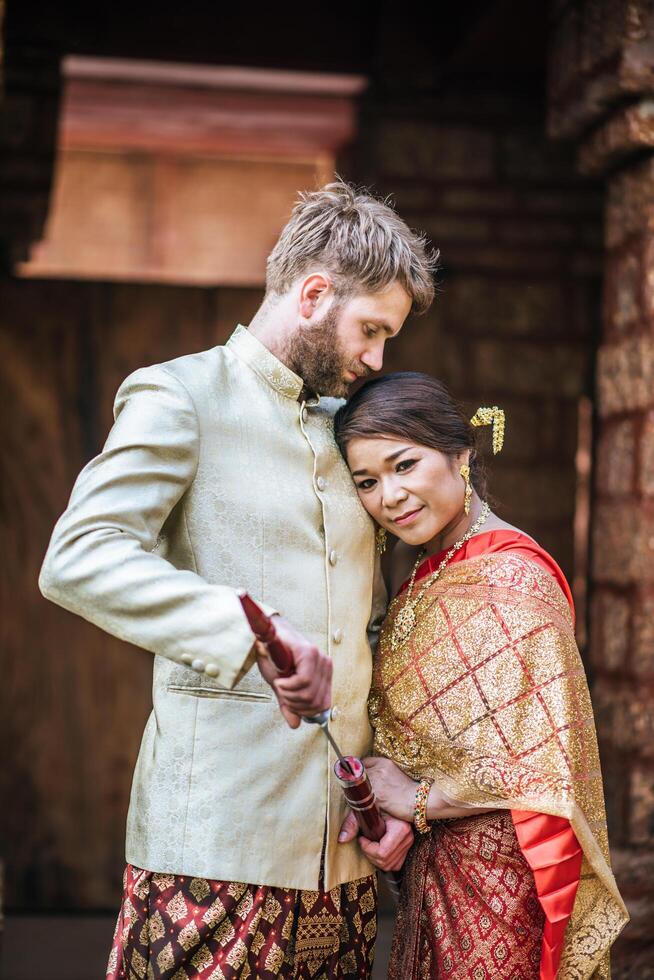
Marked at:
<point>263,628</point>
<point>356,785</point>
<point>360,796</point>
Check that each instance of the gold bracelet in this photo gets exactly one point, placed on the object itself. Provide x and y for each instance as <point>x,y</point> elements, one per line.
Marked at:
<point>420,806</point>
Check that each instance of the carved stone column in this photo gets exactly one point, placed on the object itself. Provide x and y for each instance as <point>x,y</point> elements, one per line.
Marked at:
<point>601,95</point>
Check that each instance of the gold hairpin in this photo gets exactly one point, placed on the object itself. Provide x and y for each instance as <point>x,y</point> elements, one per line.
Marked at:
<point>492,416</point>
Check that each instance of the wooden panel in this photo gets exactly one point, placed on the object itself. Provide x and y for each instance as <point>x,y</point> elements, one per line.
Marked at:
<point>75,698</point>
<point>138,218</point>
<point>220,220</point>
<point>98,217</point>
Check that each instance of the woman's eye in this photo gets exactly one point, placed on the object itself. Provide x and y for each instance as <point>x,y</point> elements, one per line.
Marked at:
<point>405,464</point>
<point>366,484</point>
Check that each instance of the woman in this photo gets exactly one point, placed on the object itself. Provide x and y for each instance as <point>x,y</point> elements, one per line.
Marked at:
<point>484,733</point>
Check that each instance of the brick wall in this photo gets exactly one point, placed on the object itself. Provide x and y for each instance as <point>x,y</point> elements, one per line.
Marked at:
<point>622,623</point>
<point>601,85</point>
<point>518,308</point>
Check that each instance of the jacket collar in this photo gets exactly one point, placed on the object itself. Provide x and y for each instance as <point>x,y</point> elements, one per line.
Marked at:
<point>267,366</point>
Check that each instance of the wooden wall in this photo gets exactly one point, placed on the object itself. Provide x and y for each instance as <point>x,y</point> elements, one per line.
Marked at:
<point>74,699</point>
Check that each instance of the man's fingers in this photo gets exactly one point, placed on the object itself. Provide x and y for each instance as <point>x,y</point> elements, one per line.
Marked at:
<point>307,678</point>
<point>303,705</point>
<point>292,720</point>
<point>392,862</point>
<point>349,828</point>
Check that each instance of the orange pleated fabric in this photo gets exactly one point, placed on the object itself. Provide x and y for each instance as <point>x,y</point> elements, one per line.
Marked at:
<point>548,843</point>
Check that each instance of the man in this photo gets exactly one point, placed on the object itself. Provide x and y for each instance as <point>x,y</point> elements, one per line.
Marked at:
<point>221,472</point>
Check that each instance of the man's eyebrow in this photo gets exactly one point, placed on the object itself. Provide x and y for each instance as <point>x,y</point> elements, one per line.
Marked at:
<point>389,459</point>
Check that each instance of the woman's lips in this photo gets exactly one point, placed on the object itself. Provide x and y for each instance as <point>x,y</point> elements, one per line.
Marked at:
<point>407,518</point>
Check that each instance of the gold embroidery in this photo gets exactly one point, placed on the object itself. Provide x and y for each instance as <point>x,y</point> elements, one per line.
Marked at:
<point>244,907</point>
<point>237,954</point>
<point>199,888</point>
<point>202,959</point>
<point>189,936</point>
<point>506,717</point>
<point>165,959</point>
<point>271,908</point>
<point>177,907</point>
<point>274,959</point>
<point>139,965</point>
<point>348,963</point>
<point>163,881</point>
<point>309,899</point>
<point>367,901</point>
<point>224,933</point>
<point>215,913</point>
<point>113,959</point>
<point>317,935</point>
<point>156,927</point>
<point>287,928</point>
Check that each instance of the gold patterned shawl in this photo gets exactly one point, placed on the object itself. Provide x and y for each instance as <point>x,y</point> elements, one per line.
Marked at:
<point>488,696</point>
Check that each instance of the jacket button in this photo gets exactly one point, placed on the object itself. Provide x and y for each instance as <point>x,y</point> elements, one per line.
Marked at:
<point>212,670</point>
<point>198,665</point>
<point>333,557</point>
<point>187,658</point>
<point>321,483</point>
<point>337,635</point>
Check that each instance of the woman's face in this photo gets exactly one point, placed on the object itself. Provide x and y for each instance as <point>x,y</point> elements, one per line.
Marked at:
<point>414,492</point>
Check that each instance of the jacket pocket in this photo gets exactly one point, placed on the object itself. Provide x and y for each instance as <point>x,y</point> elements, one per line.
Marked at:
<point>219,692</point>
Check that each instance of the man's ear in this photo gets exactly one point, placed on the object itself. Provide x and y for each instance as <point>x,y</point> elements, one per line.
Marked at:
<point>315,291</point>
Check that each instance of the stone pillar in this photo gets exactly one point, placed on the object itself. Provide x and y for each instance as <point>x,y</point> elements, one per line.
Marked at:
<point>602,95</point>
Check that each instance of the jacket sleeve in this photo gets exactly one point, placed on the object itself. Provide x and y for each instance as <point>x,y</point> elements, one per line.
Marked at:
<point>100,562</point>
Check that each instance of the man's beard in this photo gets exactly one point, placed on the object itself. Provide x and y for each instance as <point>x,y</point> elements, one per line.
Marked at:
<point>315,354</point>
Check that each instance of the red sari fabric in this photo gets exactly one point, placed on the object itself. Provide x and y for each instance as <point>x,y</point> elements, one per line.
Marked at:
<point>468,908</point>
<point>548,844</point>
<point>176,927</point>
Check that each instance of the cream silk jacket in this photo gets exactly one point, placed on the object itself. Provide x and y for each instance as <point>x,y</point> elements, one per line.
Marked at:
<point>215,477</point>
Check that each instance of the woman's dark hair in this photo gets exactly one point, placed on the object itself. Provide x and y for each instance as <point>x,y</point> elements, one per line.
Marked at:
<point>414,406</point>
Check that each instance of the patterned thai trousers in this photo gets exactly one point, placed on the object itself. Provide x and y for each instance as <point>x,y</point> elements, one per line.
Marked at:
<point>468,905</point>
<point>173,927</point>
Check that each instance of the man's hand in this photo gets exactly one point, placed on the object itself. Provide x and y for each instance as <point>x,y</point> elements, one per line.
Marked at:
<point>390,852</point>
<point>309,690</point>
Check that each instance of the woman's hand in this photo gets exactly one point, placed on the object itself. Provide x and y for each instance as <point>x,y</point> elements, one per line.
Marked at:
<point>395,791</point>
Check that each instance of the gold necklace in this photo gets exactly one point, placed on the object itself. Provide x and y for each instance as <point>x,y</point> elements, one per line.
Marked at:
<point>405,621</point>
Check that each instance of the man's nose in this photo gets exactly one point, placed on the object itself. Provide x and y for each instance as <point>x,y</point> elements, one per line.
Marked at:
<point>373,359</point>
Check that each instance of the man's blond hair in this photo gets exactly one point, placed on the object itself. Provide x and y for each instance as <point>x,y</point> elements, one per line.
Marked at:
<point>358,239</point>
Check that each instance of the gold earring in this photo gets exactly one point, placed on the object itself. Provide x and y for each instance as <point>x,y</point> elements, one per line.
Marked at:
<point>380,540</point>
<point>465,473</point>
